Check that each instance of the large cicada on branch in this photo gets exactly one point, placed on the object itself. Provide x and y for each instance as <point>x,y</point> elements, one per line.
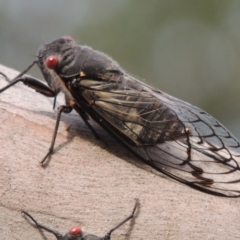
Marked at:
<point>174,137</point>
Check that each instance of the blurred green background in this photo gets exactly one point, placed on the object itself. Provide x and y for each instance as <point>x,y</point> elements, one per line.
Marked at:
<point>187,48</point>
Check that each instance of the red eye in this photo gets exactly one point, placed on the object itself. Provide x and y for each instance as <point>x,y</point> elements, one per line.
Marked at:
<point>69,38</point>
<point>75,230</point>
<point>51,61</point>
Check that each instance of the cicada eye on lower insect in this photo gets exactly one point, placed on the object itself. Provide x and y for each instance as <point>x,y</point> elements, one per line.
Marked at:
<point>174,137</point>
<point>76,233</point>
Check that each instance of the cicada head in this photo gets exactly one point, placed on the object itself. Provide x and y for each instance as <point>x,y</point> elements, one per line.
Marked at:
<point>59,59</point>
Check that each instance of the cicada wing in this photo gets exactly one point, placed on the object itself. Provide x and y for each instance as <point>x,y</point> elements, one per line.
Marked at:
<point>166,158</point>
<point>208,157</point>
<point>174,137</point>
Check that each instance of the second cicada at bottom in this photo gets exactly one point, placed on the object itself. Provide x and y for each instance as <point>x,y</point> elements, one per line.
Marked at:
<point>76,233</point>
<point>174,137</point>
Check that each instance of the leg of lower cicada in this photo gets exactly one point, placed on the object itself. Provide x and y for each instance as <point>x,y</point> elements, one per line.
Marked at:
<point>108,235</point>
<point>61,109</point>
<point>40,226</point>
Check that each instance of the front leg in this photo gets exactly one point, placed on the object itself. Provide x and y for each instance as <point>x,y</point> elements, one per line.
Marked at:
<point>32,83</point>
<point>61,109</point>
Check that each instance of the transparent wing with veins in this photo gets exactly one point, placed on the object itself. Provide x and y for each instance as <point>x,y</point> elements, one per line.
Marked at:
<point>171,135</point>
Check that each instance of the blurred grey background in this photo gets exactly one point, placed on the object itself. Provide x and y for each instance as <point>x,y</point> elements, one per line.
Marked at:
<point>187,48</point>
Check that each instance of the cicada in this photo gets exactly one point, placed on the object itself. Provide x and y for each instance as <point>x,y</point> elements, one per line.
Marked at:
<point>173,136</point>
<point>76,233</point>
